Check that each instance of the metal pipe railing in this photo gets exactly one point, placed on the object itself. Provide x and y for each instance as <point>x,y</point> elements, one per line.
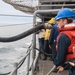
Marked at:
<point>57,5</point>
<point>34,35</point>
<point>14,71</point>
<point>28,63</point>
<point>17,65</point>
<point>35,61</point>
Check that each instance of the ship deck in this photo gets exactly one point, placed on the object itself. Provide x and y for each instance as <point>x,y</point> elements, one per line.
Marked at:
<point>45,66</point>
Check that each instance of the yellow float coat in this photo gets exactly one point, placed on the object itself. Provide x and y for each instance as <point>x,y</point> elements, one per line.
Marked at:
<point>47,34</point>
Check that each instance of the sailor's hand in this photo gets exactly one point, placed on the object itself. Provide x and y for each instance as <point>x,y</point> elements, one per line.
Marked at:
<point>60,69</point>
<point>45,23</point>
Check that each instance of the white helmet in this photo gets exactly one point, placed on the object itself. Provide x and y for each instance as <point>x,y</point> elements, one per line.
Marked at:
<point>38,20</point>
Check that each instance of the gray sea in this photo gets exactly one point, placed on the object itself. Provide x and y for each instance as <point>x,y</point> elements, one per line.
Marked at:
<point>13,51</point>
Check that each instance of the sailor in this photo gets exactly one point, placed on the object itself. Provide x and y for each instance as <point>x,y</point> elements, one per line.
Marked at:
<point>65,43</point>
<point>46,39</point>
<point>52,39</point>
<point>41,34</point>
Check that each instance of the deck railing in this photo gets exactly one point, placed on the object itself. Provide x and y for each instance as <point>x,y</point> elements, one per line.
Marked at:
<point>18,65</point>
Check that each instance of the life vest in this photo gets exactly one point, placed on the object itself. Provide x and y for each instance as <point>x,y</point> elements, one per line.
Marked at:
<point>68,30</point>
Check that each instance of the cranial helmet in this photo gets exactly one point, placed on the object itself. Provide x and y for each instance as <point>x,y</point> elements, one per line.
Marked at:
<point>51,21</point>
<point>64,13</point>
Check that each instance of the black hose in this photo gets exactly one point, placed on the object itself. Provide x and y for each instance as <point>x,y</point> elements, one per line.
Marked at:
<point>6,73</point>
<point>22,35</point>
<point>43,52</point>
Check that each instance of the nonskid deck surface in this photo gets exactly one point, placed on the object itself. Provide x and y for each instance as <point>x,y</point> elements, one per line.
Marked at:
<point>45,66</point>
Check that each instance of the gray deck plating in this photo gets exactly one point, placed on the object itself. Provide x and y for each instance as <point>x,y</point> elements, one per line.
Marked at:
<point>45,66</point>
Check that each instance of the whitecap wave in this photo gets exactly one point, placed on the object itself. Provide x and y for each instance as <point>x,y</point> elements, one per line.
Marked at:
<point>20,49</point>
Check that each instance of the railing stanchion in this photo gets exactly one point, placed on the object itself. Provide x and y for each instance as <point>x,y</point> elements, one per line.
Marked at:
<point>15,65</point>
<point>28,62</point>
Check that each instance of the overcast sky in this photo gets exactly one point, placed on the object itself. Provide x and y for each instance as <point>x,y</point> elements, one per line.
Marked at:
<point>8,9</point>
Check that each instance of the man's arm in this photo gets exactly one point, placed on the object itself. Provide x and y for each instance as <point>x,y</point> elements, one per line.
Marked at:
<point>63,44</point>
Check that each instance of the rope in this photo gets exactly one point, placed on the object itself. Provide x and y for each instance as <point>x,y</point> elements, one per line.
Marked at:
<point>51,70</point>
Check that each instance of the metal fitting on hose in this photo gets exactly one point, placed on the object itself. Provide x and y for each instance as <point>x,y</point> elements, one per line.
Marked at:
<point>47,26</point>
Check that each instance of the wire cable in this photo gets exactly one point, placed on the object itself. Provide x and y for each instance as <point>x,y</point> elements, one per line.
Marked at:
<point>14,24</point>
<point>15,15</point>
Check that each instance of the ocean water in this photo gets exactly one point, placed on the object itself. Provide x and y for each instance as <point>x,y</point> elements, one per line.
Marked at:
<point>13,51</point>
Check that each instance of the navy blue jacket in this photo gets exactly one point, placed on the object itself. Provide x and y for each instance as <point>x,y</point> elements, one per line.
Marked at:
<point>63,44</point>
<point>54,33</point>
